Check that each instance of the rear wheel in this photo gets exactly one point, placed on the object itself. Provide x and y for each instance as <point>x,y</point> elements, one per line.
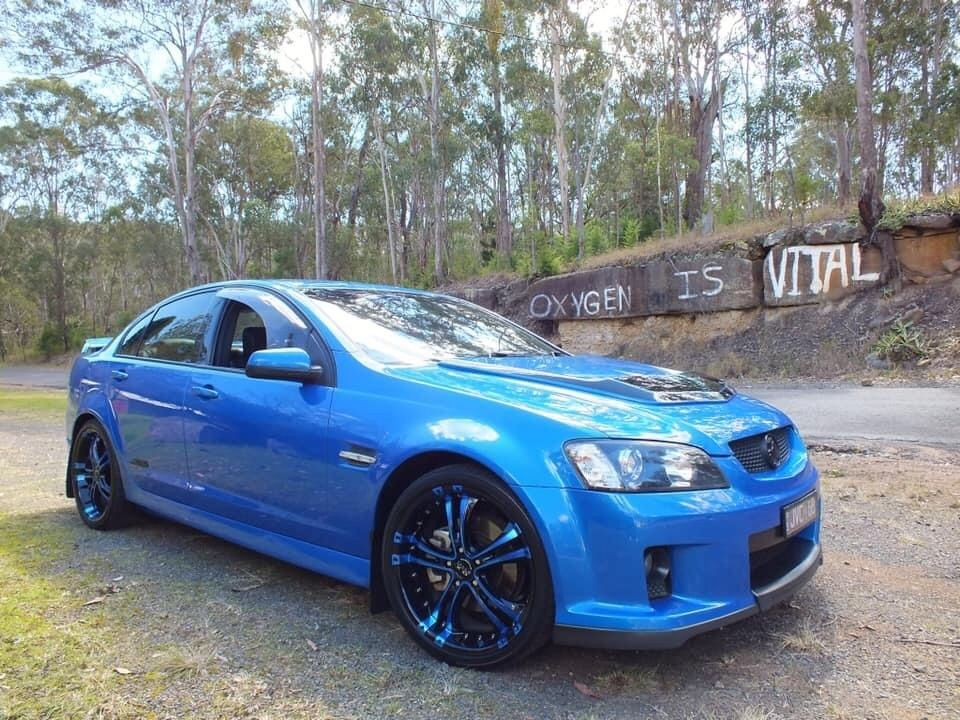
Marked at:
<point>465,570</point>
<point>95,476</point>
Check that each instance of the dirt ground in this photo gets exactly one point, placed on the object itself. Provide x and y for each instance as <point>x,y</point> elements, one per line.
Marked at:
<point>159,621</point>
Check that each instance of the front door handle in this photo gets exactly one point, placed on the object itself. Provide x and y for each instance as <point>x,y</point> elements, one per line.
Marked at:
<point>119,375</point>
<point>206,392</point>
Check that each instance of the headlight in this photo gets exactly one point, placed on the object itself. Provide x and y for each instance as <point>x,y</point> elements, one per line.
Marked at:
<point>637,466</point>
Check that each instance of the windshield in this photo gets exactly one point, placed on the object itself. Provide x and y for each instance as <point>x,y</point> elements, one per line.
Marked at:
<point>404,328</point>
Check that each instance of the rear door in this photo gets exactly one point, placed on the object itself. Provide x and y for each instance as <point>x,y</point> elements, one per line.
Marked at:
<point>258,449</point>
<point>148,381</point>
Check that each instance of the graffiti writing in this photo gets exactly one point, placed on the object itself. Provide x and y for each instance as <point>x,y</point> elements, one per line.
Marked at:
<point>715,283</point>
<point>827,265</point>
<point>609,300</point>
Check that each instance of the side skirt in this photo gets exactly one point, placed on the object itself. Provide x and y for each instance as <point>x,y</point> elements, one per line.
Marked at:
<point>338,565</point>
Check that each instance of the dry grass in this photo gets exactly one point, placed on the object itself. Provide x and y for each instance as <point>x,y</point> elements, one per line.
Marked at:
<point>187,662</point>
<point>629,681</point>
<point>693,242</point>
<point>804,639</point>
<point>747,713</point>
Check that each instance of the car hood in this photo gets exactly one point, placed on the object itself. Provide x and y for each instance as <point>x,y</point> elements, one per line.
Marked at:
<point>610,398</point>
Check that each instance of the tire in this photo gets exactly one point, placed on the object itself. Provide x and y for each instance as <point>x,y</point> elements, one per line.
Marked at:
<point>95,479</point>
<point>465,570</point>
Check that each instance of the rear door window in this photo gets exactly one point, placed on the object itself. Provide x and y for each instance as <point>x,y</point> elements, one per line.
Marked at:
<point>181,330</point>
<point>131,341</point>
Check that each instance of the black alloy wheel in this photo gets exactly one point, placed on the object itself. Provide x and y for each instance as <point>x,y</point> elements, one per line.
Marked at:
<point>95,479</point>
<point>465,570</point>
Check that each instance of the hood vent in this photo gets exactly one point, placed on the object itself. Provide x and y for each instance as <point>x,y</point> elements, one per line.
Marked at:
<point>682,387</point>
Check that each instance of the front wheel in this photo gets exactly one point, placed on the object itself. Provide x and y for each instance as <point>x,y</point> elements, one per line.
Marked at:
<point>95,476</point>
<point>465,570</point>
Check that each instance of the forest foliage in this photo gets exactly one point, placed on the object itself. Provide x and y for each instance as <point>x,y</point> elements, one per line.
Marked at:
<point>148,145</point>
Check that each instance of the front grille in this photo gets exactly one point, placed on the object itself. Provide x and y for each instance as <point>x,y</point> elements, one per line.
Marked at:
<point>758,456</point>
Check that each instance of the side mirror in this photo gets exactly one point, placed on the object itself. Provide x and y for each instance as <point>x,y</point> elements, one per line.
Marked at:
<point>283,364</point>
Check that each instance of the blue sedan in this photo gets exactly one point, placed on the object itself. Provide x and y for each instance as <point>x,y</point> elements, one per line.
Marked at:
<point>493,490</point>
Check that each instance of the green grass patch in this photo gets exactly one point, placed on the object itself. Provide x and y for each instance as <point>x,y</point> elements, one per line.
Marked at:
<point>32,402</point>
<point>51,656</point>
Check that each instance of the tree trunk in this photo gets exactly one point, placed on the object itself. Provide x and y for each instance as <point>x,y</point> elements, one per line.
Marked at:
<point>560,122</point>
<point>748,149</point>
<point>504,231</point>
<point>354,205</point>
<point>871,204</point>
<point>931,64</point>
<point>843,141</point>
<point>57,232</point>
<point>439,181</point>
<point>190,175</point>
<point>387,210</point>
<point>319,143</point>
<point>702,118</point>
<point>703,109</point>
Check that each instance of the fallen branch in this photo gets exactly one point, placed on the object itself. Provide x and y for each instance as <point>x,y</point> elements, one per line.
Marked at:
<point>939,643</point>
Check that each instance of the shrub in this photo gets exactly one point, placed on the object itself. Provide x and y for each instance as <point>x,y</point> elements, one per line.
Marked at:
<point>902,342</point>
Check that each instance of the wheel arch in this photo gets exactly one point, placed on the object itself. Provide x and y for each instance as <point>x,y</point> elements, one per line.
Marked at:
<point>398,481</point>
<point>79,421</point>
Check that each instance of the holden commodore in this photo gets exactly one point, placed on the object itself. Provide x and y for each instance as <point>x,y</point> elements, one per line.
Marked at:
<point>493,490</point>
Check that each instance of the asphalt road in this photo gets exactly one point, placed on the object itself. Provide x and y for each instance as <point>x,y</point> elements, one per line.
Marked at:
<point>43,376</point>
<point>925,415</point>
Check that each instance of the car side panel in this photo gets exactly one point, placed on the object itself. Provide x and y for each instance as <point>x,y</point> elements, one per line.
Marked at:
<point>257,454</point>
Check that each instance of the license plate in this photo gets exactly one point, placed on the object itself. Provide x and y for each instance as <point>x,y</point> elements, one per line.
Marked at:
<point>799,514</point>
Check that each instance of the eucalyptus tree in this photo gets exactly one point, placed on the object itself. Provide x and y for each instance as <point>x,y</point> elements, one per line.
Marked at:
<point>772,32</point>
<point>312,19</point>
<point>179,58</point>
<point>372,54</point>
<point>870,203</point>
<point>248,167</point>
<point>493,17</point>
<point>830,98</point>
<point>700,47</point>
<point>54,150</point>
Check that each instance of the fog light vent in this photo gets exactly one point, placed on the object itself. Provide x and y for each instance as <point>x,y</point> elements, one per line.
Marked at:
<point>656,563</point>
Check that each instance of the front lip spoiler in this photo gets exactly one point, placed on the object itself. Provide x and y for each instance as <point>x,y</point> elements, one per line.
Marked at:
<point>785,587</point>
<point>765,597</point>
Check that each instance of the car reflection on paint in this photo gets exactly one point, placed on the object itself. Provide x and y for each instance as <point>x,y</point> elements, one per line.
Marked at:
<point>493,490</point>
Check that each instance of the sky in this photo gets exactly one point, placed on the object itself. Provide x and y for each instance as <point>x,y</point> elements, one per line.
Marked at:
<point>602,17</point>
<point>294,55</point>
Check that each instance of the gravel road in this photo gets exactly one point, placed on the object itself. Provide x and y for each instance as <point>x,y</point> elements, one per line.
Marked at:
<point>204,629</point>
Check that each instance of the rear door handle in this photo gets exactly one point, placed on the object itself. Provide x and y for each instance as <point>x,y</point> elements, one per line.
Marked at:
<point>119,374</point>
<point>206,392</point>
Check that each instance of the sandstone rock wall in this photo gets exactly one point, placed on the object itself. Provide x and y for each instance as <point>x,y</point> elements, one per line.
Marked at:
<point>603,310</point>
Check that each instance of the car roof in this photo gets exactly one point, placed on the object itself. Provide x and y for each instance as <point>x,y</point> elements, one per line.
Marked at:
<point>305,285</point>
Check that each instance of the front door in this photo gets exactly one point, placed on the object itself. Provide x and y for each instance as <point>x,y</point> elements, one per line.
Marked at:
<point>257,449</point>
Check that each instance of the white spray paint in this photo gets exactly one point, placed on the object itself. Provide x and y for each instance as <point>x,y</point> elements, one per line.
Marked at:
<point>834,260</point>
<point>585,303</point>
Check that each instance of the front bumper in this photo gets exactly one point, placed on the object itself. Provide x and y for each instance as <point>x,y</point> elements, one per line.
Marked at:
<point>728,559</point>
<point>766,598</point>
